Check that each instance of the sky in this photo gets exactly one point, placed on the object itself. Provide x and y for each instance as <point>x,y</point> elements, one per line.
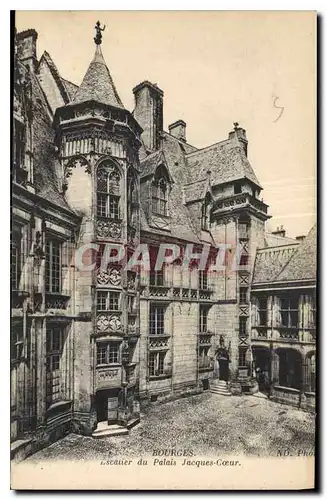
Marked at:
<point>215,68</point>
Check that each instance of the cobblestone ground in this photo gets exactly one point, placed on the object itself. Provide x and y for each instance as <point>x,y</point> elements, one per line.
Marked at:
<point>207,424</point>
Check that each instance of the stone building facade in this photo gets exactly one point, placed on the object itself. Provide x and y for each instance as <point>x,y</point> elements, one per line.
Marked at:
<point>90,343</point>
<point>283,320</point>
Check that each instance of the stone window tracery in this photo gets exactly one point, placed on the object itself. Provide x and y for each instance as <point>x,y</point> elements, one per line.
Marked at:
<point>160,196</point>
<point>108,191</point>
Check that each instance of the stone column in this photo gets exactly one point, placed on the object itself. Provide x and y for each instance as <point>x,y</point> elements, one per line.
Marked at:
<point>40,336</point>
<point>274,363</point>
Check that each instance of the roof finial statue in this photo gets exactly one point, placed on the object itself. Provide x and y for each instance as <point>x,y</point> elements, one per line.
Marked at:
<point>236,125</point>
<point>98,35</point>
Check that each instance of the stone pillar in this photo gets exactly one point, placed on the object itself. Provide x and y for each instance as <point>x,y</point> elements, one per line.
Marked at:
<point>274,373</point>
<point>40,336</point>
<point>306,374</point>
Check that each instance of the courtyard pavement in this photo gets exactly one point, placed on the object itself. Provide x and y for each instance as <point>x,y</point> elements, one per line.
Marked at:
<point>207,424</point>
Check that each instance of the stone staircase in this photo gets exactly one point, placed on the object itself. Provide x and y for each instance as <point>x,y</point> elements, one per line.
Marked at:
<point>104,430</point>
<point>219,387</point>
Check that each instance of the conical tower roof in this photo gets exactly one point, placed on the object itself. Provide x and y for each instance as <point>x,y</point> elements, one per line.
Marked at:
<point>98,84</point>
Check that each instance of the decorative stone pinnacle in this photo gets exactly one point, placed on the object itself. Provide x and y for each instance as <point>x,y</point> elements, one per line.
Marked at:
<point>236,125</point>
<point>98,34</point>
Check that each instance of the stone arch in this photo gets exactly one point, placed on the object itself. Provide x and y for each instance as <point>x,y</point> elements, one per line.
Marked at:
<point>309,372</point>
<point>78,160</point>
<point>110,160</point>
<point>222,361</point>
<point>290,367</point>
<point>262,358</point>
<point>109,189</point>
<point>77,184</point>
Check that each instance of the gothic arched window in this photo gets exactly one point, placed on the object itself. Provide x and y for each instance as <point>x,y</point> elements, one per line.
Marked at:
<point>108,191</point>
<point>159,196</point>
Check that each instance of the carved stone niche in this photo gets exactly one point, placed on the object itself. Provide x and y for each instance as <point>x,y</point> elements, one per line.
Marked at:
<point>131,280</point>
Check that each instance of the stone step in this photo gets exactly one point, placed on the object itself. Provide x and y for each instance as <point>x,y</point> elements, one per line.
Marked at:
<point>20,449</point>
<point>223,392</point>
<point>219,383</point>
<point>104,430</point>
<point>219,393</point>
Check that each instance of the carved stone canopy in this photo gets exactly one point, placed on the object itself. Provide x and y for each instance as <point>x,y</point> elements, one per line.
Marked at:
<point>76,162</point>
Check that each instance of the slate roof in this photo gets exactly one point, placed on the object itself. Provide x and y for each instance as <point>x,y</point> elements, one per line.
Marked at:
<point>151,162</point>
<point>46,166</point>
<point>292,262</point>
<point>196,190</point>
<point>182,224</point>
<point>270,261</point>
<point>274,240</point>
<point>189,168</point>
<point>70,87</point>
<point>226,161</point>
<point>98,84</point>
<point>55,73</point>
<point>302,265</point>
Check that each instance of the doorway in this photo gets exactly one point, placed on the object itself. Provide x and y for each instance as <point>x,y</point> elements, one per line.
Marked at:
<point>262,366</point>
<point>107,405</point>
<point>223,362</point>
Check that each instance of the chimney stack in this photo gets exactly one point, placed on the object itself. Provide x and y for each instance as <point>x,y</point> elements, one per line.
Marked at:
<point>26,48</point>
<point>280,231</point>
<point>238,135</point>
<point>149,113</point>
<point>178,130</point>
<point>300,238</point>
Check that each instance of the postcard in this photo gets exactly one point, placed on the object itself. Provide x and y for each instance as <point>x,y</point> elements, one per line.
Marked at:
<point>163,250</point>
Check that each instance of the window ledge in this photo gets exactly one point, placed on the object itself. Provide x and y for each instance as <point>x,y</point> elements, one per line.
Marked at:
<point>286,389</point>
<point>113,365</point>
<point>57,406</point>
<point>162,287</point>
<point>159,377</point>
<point>157,335</point>
<point>111,311</point>
<point>165,216</point>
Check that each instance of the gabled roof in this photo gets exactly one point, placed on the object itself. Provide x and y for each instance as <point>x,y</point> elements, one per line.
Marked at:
<point>98,84</point>
<point>182,225</point>
<point>197,190</point>
<point>150,164</point>
<point>55,73</point>
<point>70,87</point>
<point>225,160</point>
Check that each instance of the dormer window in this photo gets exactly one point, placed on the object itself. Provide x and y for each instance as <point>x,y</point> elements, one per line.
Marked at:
<point>20,172</point>
<point>160,197</point>
<point>108,192</point>
<point>237,188</point>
